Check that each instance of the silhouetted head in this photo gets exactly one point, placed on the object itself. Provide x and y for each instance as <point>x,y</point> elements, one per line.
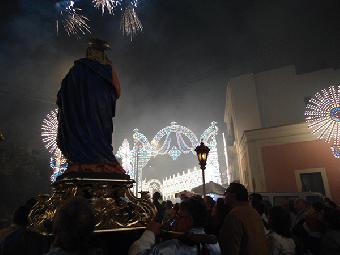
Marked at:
<point>74,224</point>
<point>256,202</point>
<point>156,196</point>
<point>209,202</point>
<point>96,51</point>
<point>279,221</point>
<point>192,214</point>
<point>235,193</point>
<point>300,204</point>
<point>168,204</point>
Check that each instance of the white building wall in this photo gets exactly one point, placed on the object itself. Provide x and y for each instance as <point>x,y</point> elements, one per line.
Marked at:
<point>242,101</point>
<point>281,93</point>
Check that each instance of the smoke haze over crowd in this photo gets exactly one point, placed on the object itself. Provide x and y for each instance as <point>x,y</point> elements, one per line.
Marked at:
<point>176,70</point>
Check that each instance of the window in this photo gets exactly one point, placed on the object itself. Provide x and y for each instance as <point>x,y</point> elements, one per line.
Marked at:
<point>312,182</point>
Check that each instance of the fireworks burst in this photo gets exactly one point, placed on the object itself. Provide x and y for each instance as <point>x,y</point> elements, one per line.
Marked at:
<point>69,17</point>
<point>108,5</point>
<point>130,23</point>
<point>50,130</point>
<point>323,114</point>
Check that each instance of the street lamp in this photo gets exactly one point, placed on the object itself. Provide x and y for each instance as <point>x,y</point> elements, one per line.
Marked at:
<point>2,137</point>
<point>202,152</point>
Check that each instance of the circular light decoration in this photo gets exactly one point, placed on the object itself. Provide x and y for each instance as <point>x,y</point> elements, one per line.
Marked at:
<point>323,116</point>
<point>49,131</point>
<point>336,151</point>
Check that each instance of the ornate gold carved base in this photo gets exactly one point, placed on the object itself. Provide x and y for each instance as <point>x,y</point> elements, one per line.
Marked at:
<point>114,205</point>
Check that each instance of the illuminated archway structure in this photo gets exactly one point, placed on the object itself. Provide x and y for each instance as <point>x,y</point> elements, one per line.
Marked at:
<point>152,186</point>
<point>173,140</point>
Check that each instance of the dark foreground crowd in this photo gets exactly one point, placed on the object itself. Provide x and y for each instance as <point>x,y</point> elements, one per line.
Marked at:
<point>238,224</point>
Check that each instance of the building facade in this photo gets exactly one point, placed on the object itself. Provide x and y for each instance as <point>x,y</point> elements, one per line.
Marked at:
<point>270,148</point>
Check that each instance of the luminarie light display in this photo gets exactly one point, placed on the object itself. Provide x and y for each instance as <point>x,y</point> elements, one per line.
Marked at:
<point>49,133</point>
<point>173,140</point>
<point>58,164</point>
<point>323,116</point>
<point>174,143</point>
<point>125,154</point>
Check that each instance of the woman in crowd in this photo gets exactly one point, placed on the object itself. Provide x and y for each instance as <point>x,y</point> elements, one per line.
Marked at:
<point>280,241</point>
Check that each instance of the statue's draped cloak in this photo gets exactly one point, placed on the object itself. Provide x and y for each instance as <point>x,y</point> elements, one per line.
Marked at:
<point>86,102</point>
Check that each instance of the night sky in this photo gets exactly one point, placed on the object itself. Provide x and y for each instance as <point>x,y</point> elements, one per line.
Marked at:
<point>176,70</point>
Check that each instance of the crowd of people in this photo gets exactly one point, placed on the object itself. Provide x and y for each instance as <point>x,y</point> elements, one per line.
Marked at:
<point>240,223</point>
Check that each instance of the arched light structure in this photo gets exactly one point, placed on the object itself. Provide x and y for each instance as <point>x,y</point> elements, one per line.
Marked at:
<point>174,141</point>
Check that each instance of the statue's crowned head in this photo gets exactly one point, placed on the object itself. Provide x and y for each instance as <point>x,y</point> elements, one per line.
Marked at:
<point>96,51</point>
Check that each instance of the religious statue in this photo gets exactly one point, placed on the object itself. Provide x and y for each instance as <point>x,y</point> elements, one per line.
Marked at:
<point>87,103</point>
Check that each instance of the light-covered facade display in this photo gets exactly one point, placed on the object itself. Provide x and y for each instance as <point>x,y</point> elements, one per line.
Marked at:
<point>125,154</point>
<point>181,181</point>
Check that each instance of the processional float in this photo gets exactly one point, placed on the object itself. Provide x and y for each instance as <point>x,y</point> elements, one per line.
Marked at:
<point>86,104</point>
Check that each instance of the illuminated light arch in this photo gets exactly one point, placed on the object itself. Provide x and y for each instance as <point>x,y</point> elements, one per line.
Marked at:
<point>209,134</point>
<point>323,116</point>
<point>163,144</point>
<point>174,150</point>
<point>142,152</point>
<point>152,186</point>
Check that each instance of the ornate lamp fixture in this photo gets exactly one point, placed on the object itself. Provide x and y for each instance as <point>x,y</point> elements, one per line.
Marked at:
<point>202,152</point>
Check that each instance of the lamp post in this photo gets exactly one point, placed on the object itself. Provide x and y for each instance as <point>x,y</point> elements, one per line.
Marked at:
<point>202,152</point>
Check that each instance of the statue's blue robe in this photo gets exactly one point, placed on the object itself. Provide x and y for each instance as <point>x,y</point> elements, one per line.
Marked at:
<point>86,102</point>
